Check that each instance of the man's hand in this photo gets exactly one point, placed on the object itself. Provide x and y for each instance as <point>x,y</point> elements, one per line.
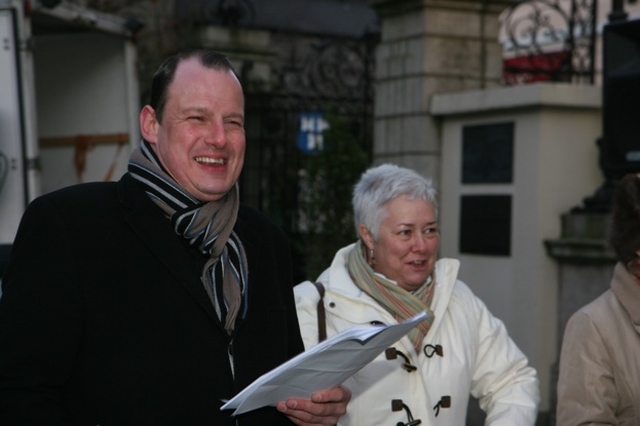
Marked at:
<point>324,408</point>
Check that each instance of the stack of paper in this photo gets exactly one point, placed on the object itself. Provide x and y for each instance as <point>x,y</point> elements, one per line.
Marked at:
<point>323,366</point>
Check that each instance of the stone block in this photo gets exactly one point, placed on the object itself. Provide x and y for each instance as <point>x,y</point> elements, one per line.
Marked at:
<point>400,96</point>
<point>416,134</point>
<point>400,58</point>
<point>453,23</point>
<point>426,165</point>
<point>443,83</point>
<point>403,26</point>
<point>491,27</point>
<point>420,134</point>
<point>452,56</point>
<point>586,225</point>
<point>493,62</point>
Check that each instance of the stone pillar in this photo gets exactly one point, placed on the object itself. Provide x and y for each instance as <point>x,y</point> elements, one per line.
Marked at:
<point>585,268</point>
<point>429,47</point>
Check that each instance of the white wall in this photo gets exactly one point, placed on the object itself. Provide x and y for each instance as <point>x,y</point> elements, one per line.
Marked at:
<point>84,86</point>
<point>555,167</point>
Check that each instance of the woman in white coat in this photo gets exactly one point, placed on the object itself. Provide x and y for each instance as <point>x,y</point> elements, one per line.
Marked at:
<point>392,273</point>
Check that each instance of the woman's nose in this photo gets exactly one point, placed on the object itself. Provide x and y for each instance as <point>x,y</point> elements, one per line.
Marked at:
<point>420,243</point>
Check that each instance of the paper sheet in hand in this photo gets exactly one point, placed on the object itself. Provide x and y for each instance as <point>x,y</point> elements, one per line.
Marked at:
<point>323,366</point>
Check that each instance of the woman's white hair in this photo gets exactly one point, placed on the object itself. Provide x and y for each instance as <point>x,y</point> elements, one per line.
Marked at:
<point>379,185</point>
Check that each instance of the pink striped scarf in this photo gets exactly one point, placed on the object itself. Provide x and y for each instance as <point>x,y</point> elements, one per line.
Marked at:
<point>396,300</point>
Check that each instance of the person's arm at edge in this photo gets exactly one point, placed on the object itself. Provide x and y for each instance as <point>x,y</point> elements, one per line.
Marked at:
<point>505,384</point>
<point>585,380</point>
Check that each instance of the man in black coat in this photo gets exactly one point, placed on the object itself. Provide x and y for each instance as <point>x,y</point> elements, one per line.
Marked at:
<point>151,300</point>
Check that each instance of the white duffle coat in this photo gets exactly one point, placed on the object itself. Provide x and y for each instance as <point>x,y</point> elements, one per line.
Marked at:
<point>478,356</point>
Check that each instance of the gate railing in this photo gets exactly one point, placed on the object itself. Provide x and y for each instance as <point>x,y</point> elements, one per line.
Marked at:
<point>549,40</point>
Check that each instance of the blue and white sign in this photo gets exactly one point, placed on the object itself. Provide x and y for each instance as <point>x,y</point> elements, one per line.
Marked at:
<point>310,137</point>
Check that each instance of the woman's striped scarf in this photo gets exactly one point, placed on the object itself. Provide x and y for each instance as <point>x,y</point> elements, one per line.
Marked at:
<point>207,226</point>
<point>396,300</point>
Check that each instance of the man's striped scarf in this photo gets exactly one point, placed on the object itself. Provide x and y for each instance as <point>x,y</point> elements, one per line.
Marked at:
<point>207,226</point>
<point>396,300</point>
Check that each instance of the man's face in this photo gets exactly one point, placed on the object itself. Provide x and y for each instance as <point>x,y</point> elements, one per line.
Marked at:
<point>201,139</point>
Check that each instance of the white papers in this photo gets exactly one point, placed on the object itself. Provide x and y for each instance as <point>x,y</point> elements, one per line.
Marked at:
<point>323,366</point>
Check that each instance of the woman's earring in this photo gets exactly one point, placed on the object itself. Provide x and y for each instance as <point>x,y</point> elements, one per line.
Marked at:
<point>372,258</point>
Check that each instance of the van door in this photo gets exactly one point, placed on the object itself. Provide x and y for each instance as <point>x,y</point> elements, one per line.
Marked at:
<point>13,190</point>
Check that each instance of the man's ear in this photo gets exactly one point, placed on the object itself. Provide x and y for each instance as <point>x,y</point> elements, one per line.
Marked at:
<point>149,124</point>
<point>366,236</point>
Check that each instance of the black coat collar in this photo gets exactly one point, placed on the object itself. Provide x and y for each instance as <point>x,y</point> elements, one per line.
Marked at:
<point>154,230</point>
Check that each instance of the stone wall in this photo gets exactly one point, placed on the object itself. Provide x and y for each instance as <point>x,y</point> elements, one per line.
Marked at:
<point>429,47</point>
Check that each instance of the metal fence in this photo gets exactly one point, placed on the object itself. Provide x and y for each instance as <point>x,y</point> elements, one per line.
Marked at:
<point>315,80</point>
<point>549,40</point>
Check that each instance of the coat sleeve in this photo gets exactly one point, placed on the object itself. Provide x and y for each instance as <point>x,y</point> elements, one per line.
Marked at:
<point>40,320</point>
<point>506,386</point>
<point>586,388</point>
<point>307,298</point>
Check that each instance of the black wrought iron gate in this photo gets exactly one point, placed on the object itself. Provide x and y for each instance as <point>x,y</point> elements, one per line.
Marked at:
<point>328,77</point>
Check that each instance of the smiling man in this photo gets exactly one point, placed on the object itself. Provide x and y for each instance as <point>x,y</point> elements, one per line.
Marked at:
<point>153,299</point>
<point>198,132</point>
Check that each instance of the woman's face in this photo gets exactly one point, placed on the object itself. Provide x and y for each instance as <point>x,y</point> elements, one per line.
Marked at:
<point>407,243</point>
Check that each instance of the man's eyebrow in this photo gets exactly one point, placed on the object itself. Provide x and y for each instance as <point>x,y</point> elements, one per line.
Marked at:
<point>196,109</point>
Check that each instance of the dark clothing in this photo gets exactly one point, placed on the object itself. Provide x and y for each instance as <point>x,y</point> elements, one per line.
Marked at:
<point>5,250</point>
<point>104,320</point>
